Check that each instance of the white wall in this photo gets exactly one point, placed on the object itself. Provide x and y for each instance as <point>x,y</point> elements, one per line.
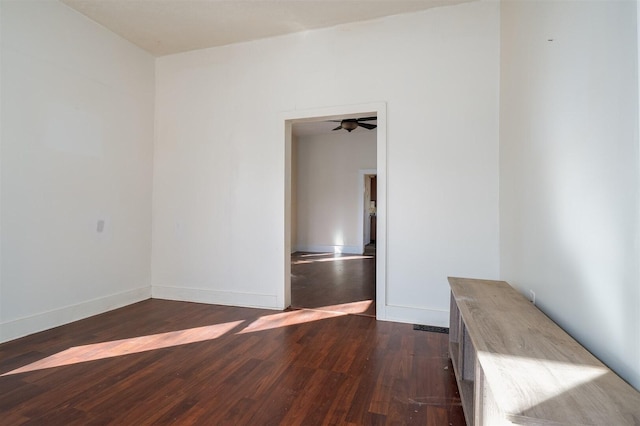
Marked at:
<point>569,166</point>
<point>294,193</point>
<point>218,231</point>
<point>77,143</point>
<point>1,80</point>
<point>329,190</point>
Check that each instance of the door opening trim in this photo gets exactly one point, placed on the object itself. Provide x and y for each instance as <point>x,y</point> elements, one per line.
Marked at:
<point>379,109</point>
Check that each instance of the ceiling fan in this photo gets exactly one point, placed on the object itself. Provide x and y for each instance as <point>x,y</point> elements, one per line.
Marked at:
<point>350,124</point>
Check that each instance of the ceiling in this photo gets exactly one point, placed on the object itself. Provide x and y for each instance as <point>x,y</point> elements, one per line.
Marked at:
<point>164,27</point>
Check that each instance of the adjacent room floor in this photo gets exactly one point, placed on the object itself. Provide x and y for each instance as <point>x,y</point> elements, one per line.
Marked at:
<point>337,282</point>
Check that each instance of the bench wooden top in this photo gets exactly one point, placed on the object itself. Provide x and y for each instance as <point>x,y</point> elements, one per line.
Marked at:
<point>537,373</point>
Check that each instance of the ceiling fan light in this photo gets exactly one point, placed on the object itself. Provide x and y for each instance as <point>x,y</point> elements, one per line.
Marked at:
<point>349,125</point>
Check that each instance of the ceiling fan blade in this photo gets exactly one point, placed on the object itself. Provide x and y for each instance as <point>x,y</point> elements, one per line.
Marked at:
<point>334,121</point>
<point>367,118</point>
<point>367,125</point>
<point>337,128</point>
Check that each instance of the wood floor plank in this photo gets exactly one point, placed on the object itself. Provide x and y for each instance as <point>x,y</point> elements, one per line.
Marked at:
<point>348,369</point>
<point>267,368</point>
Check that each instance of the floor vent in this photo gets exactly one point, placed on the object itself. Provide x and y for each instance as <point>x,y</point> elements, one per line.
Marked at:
<point>431,328</point>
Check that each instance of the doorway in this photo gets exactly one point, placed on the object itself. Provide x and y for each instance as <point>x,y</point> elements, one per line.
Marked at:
<point>378,262</point>
<point>369,179</point>
<point>329,269</point>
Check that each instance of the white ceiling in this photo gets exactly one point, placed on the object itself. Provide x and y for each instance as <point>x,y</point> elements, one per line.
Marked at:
<point>163,27</point>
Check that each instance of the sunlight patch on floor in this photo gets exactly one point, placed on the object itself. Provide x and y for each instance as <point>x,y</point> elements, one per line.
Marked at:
<point>97,351</point>
<point>285,319</point>
<point>329,259</point>
<point>315,254</point>
<point>349,308</point>
<point>132,345</point>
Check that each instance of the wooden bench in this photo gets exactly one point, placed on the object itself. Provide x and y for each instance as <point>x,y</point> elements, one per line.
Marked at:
<point>514,365</point>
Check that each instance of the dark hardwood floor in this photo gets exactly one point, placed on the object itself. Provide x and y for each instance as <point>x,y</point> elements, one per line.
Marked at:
<point>339,282</point>
<point>166,362</point>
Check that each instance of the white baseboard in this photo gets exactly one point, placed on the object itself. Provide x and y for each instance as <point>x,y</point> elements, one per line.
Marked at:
<point>329,249</point>
<point>21,327</point>
<point>215,297</point>
<point>412,315</point>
